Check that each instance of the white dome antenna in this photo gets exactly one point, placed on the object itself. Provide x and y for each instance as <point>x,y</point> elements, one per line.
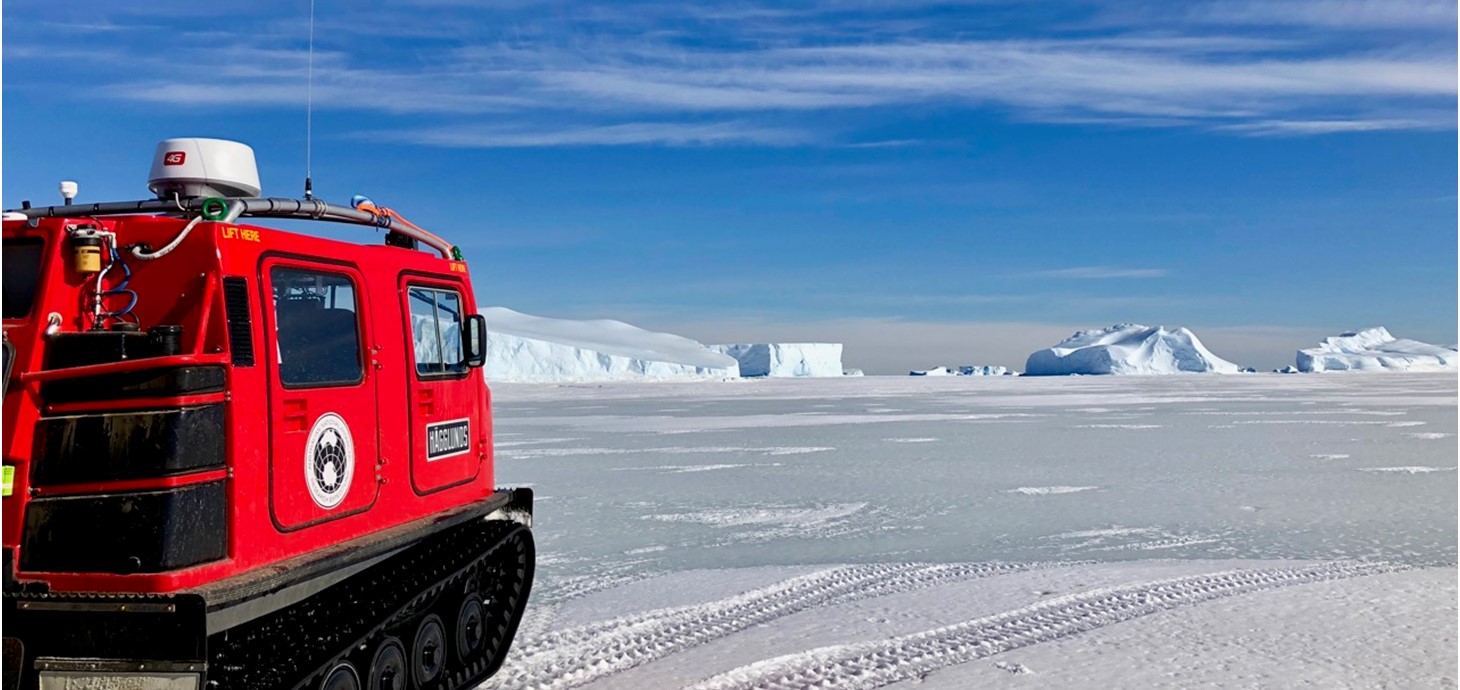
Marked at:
<point>193,167</point>
<point>68,191</point>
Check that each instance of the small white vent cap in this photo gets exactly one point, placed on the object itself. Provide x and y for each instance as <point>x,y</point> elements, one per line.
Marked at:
<point>192,167</point>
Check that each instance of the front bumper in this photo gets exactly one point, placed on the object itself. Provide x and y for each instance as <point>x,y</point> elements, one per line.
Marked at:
<point>111,641</point>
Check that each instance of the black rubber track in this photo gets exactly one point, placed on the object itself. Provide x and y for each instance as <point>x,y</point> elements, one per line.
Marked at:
<point>293,649</point>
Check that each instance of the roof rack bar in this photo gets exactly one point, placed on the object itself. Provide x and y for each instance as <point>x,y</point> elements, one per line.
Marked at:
<point>301,209</point>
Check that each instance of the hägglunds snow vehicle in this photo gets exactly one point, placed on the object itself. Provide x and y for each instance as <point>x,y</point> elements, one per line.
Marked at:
<point>240,457</point>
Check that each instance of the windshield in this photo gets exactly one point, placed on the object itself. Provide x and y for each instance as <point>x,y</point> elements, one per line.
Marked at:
<point>22,269</point>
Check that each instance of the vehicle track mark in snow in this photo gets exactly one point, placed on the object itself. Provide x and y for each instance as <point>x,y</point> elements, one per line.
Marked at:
<point>574,656</point>
<point>875,664</point>
<point>552,591</point>
<point>1430,435</point>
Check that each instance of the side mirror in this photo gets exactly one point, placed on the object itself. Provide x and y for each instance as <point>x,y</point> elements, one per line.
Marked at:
<point>474,340</point>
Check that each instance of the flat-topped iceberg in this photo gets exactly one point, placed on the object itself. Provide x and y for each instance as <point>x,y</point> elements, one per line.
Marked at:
<point>523,347</point>
<point>785,359</point>
<point>1128,349</point>
<point>1374,349</point>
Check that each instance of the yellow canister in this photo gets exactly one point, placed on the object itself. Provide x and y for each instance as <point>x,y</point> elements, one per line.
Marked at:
<point>86,254</point>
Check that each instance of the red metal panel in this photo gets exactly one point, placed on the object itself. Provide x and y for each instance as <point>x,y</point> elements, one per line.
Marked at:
<point>449,443</point>
<point>132,484</point>
<point>136,404</point>
<point>322,437</point>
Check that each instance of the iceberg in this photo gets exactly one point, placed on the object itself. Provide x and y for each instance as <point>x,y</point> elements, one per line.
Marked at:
<point>1128,349</point>
<point>428,345</point>
<point>523,347</point>
<point>785,360</point>
<point>1374,349</point>
<point>966,370</point>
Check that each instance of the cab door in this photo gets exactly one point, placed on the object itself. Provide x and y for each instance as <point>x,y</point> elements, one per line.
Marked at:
<point>322,397</point>
<point>448,438</point>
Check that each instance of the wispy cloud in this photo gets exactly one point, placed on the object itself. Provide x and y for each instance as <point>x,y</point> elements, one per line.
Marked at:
<point>635,133</point>
<point>1100,273</point>
<point>1434,15</point>
<point>660,73</point>
<point>1291,127</point>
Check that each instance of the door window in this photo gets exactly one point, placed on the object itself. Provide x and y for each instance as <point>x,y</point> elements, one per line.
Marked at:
<point>22,275</point>
<point>436,331</point>
<point>318,327</point>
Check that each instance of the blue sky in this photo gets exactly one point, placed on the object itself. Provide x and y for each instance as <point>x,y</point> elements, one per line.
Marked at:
<point>930,182</point>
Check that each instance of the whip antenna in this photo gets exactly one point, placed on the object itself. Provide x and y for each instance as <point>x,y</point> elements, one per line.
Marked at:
<point>309,113</point>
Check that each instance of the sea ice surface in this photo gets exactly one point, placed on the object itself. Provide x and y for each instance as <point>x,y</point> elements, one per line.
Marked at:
<point>1093,532</point>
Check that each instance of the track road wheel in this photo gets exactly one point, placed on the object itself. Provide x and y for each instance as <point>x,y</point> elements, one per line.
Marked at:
<point>428,651</point>
<point>341,677</point>
<point>387,667</point>
<point>470,631</point>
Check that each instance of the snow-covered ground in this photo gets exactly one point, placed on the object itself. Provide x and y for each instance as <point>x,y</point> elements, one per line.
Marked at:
<point>523,347</point>
<point>1006,532</point>
<point>1374,349</point>
<point>1128,349</point>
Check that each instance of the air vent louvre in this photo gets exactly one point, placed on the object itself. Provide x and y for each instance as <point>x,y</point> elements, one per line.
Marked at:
<point>240,328</point>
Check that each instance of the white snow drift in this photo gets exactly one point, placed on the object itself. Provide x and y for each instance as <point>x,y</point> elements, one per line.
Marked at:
<point>1128,349</point>
<point>785,359</point>
<point>1374,349</point>
<point>522,347</point>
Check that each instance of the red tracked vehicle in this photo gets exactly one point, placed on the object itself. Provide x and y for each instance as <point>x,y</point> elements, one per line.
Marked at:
<point>239,457</point>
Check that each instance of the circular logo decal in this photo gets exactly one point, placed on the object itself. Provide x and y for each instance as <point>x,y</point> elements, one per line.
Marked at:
<point>329,460</point>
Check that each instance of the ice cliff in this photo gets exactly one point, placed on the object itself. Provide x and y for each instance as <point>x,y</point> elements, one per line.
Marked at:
<point>522,347</point>
<point>1374,349</point>
<point>1128,349</point>
<point>785,359</point>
